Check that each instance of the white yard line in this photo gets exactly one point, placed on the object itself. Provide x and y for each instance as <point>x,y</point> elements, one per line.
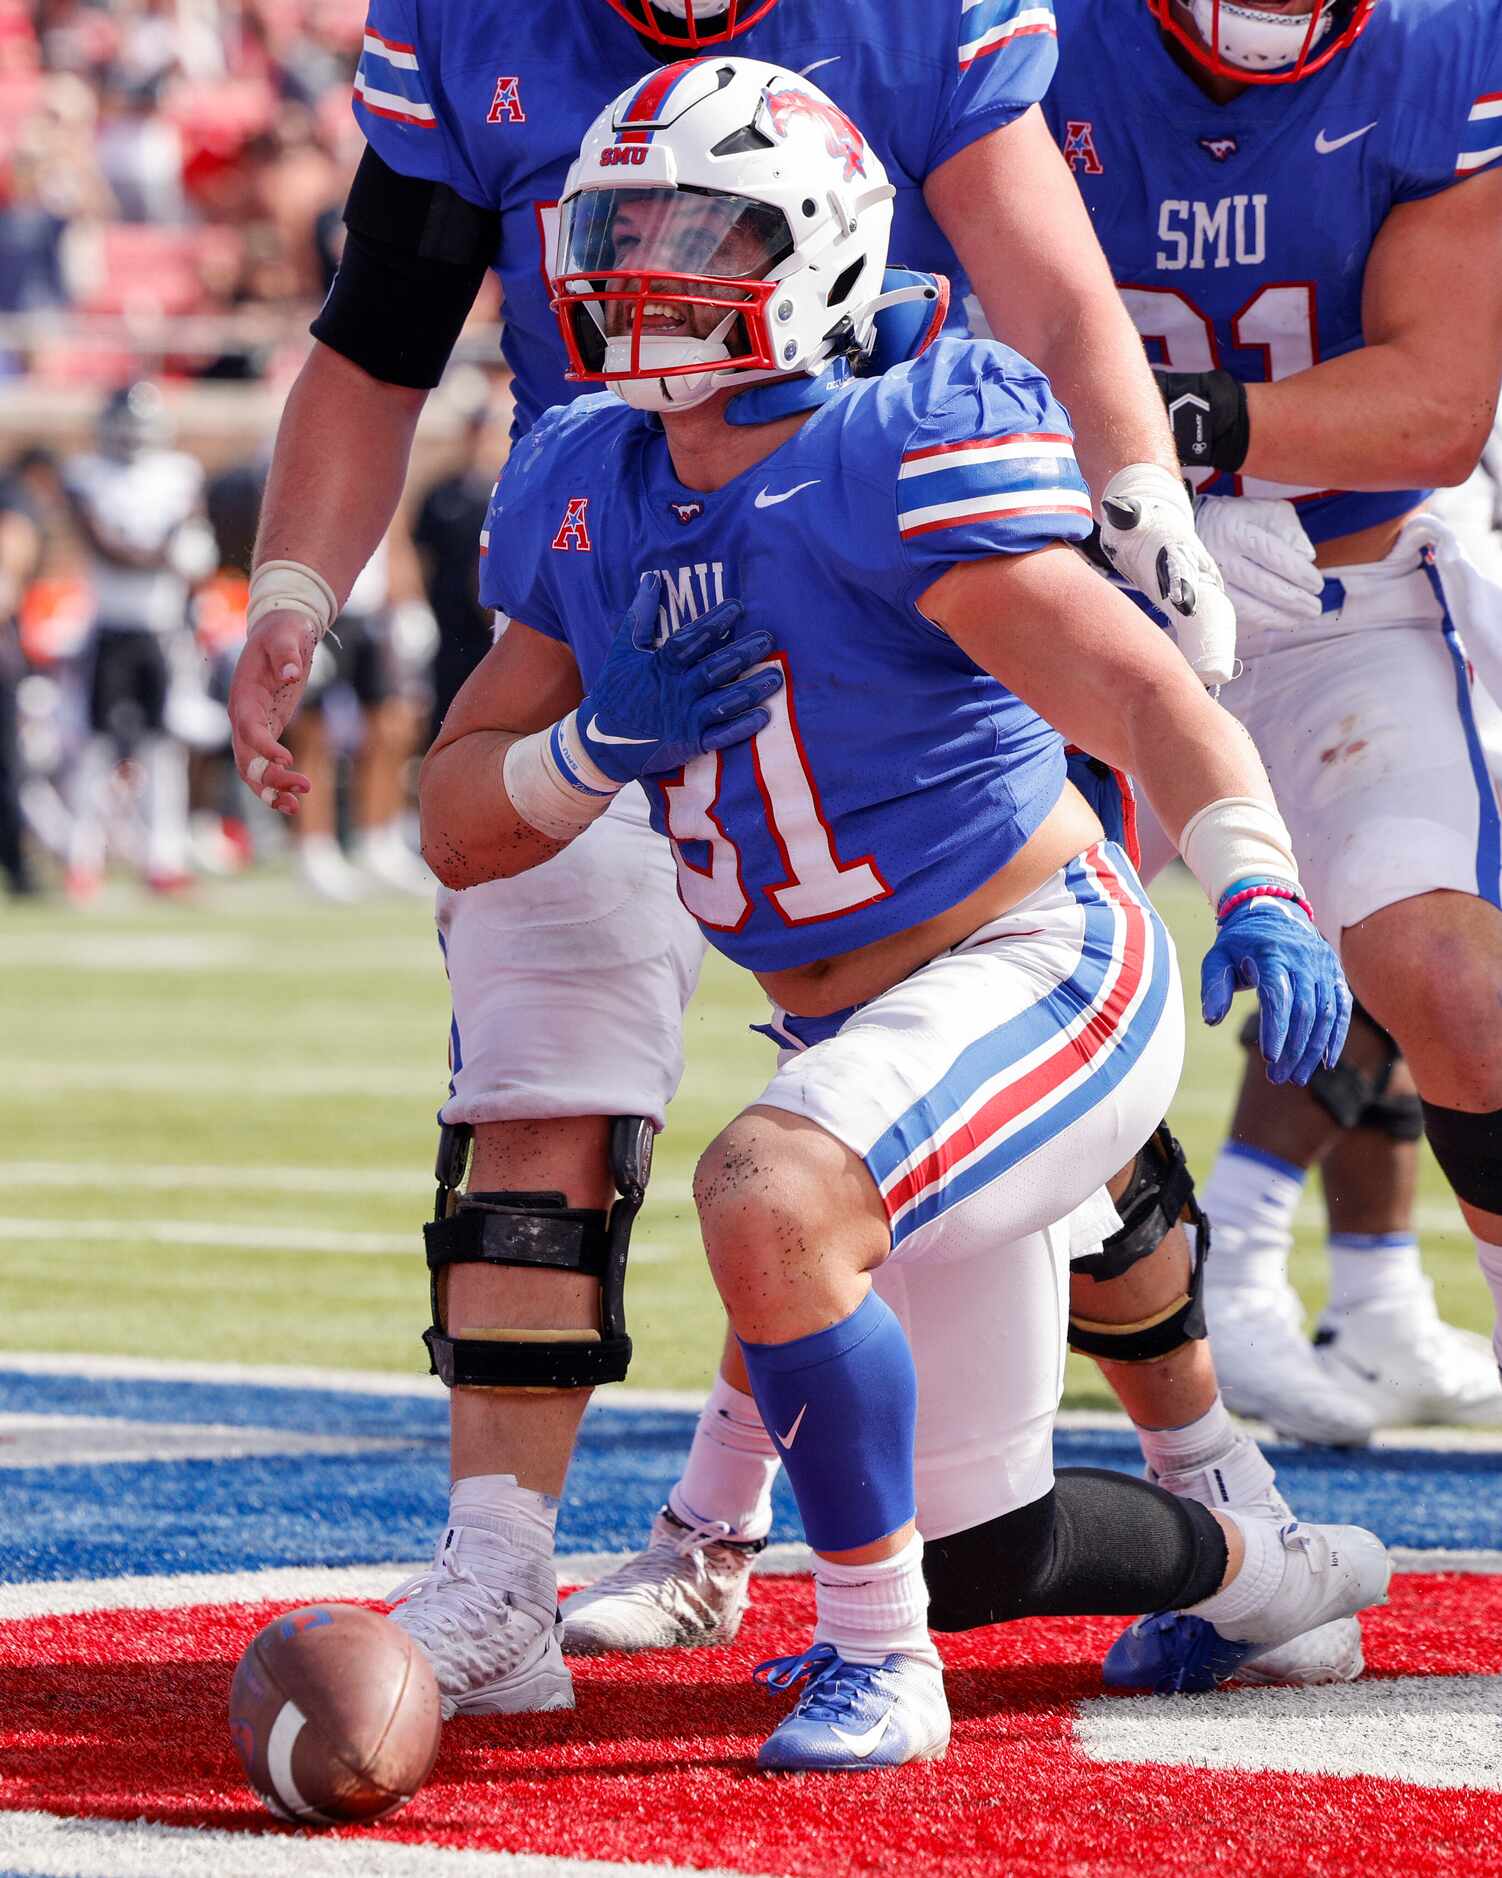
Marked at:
<point>43,1845</point>
<point>215,1235</point>
<point>271,1081</point>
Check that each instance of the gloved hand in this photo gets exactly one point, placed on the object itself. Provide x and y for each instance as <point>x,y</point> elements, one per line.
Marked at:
<point>654,708</point>
<point>1147,534</point>
<point>1265,559</point>
<point>1268,940</point>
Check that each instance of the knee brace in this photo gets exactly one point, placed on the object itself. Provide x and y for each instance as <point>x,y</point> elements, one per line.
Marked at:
<point>1469,1150</point>
<point>1097,1542</point>
<point>537,1230</point>
<point>1160,1195</point>
<point>1355,1097</point>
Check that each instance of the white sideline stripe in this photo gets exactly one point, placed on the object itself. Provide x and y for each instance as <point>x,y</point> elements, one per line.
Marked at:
<point>310,1584</point>
<point>394,1383</point>
<point>279,1376</point>
<point>376,1082</point>
<point>43,1845</point>
<point>298,1584</point>
<point>119,952</point>
<point>1426,1731</point>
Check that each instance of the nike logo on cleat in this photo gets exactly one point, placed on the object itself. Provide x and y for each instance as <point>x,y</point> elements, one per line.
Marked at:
<point>766,500</point>
<point>787,1440</point>
<point>1325,144</point>
<point>864,1745</point>
<point>604,736</point>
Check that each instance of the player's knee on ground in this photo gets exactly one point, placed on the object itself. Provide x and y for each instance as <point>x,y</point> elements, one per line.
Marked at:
<point>1097,1543</point>
<point>1164,1315</point>
<point>537,1237</point>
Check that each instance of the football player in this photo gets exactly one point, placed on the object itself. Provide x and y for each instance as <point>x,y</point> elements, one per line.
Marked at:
<point>568,986</point>
<point>1324,371</point>
<point>832,679</point>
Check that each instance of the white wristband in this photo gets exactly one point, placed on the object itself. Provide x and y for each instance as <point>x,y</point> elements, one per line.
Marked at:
<point>1233,839</point>
<point>289,586</point>
<point>553,785</point>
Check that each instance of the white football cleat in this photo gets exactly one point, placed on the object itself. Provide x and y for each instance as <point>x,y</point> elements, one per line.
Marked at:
<point>1243,1479</point>
<point>487,1620</point>
<point>1399,1358</point>
<point>1267,1368</point>
<point>388,861</point>
<point>852,1717</point>
<point>690,1587</point>
<point>1330,1572</point>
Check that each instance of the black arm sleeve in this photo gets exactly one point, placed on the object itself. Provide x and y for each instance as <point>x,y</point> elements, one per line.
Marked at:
<point>413,261</point>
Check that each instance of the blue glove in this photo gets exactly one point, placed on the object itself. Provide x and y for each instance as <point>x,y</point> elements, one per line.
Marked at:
<point>654,708</point>
<point>1270,941</point>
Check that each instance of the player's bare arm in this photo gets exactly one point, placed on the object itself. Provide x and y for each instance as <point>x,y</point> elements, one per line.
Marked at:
<point>470,831</point>
<point>1414,405</point>
<point>336,478</point>
<point>1021,231</point>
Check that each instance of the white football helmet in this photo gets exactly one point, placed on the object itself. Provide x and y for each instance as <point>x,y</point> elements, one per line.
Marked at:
<point>724,222</point>
<point>1257,45</point>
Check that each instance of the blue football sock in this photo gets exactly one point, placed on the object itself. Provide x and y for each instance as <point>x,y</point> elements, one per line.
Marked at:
<point>841,1407</point>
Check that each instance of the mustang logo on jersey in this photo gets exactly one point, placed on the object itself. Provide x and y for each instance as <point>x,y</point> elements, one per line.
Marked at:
<point>841,138</point>
<point>1219,147</point>
<point>687,511</point>
<point>1079,146</point>
<point>506,105</point>
<point>1212,234</point>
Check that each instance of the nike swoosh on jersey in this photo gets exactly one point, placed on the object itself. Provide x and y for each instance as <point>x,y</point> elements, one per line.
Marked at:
<point>833,59</point>
<point>1325,144</point>
<point>604,736</point>
<point>864,1744</point>
<point>791,1436</point>
<point>765,500</point>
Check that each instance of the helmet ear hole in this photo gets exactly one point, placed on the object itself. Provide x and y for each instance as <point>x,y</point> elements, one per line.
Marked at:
<point>840,291</point>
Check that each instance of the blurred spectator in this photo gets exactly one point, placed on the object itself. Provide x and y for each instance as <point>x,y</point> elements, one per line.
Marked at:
<point>20,556</point>
<point>137,503</point>
<point>141,153</point>
<point>447,538</point>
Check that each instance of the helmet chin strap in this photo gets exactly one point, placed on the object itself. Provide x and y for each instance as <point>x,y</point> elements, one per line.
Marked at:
<point>1253,39</point>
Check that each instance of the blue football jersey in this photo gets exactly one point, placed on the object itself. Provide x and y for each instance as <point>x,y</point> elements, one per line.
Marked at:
<point>895,776</point>
<point>494,102</point>
<point>1238,233</point>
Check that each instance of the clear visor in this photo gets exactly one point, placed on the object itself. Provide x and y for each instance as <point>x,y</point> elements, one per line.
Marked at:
<point>674,231</point>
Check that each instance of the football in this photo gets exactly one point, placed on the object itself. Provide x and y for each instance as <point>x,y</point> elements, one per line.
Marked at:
<point>334,1713</point>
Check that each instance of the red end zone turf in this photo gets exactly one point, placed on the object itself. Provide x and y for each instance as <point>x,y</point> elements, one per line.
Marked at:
<point>121,1714</point>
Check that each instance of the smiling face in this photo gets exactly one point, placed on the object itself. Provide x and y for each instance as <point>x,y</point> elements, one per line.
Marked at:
<point>684,234</point>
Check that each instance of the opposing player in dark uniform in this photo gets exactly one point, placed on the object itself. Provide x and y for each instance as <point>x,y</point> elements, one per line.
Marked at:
<point>846,600</point>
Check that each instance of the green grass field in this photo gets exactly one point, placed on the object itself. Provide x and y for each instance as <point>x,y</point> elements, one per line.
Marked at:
<point>216,1135</point>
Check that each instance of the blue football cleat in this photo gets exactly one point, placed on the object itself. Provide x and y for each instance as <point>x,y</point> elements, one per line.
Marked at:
<point>1172,1654</point>
<point>852,1716</point>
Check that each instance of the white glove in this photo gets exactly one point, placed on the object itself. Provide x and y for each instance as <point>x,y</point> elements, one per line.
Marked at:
<point>1147,534</point>
<point>1265,558</point>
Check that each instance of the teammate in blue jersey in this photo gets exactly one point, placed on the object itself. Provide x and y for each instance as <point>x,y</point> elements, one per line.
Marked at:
<point>1324,369</point>
<point>569,985</point>
<point>846,600</point>
<point>1342,362</point>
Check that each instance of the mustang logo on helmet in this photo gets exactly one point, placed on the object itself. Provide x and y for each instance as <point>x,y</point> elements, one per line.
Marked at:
<point>841,138</point>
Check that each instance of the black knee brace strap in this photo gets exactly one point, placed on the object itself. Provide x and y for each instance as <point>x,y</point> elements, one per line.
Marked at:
<point>1097,1543</point>
<point>538,1230</point>
<point>1469,1149</point>
<point>1358,1098</point>
<point>1161,1194</point>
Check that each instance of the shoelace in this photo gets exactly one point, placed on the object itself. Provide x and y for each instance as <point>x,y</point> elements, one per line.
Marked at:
<point>465,1604</point>
<point>834,1686</point>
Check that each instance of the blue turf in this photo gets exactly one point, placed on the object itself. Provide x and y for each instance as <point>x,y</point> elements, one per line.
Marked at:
<point>227,1515</point>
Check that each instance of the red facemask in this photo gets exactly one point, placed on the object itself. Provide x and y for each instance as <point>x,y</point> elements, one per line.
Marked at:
<point>1314,54</point>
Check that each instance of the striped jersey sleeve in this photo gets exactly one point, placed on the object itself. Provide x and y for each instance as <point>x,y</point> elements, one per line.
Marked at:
<point>989,467</point>
<point>1005,52</point>
<point>1481,134</point>
<point>1455,52</point>
<point>394,94</point>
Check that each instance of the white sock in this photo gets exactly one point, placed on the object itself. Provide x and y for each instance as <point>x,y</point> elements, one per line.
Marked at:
<point>1251,1198</point>
<point>1199,1443</point>
<point>1368,1266</point>
<point>868,1611</point>
<point>503,1533</point>
<point>1490,1257</point>
<point>1254,1586</point>
<point>730,1468</point>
